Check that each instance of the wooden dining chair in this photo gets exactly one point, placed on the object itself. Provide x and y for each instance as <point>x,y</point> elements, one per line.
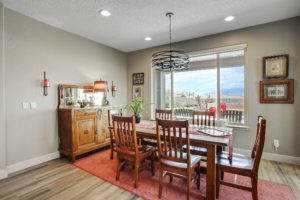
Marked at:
<point>128,148</point>
<point>206,118</point>
<point>161,114</point>
<point>111,112</point>
<point>173,161</point>
<point>243,165</point>
<point>202,118</point>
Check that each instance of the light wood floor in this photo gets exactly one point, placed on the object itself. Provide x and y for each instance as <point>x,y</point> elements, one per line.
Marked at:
<point>58,179</point>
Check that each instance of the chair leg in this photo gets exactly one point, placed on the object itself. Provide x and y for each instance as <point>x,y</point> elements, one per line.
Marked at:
<point>112,153</point>
<point>198,176</point>
<point>152,164</point>
<point>171,178</point>
<point>160,182</point>
<point>254,188</point>
<point>218,182</point>
<point>188,186</point>
<point>119,165</point>
<point>136,166</point>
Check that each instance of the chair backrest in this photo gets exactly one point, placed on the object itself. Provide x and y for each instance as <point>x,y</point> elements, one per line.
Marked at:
<point>111,112</point>
<point>174,135</point>
<point>163,113</point>
<point>259,143</point>
<point>206,118</point>
<point>125,134</point>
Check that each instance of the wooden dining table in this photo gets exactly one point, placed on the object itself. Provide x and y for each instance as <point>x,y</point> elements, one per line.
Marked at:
<point>212,143</point>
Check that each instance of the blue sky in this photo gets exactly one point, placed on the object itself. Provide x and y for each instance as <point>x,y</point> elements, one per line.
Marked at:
<point>204,82</point>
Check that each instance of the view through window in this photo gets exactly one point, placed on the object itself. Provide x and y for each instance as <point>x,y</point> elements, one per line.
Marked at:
<point>214,82</point>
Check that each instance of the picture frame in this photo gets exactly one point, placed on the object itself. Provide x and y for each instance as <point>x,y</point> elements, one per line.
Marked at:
<point>137,92</point>
<point>275,67</point>
<point>277,91</point>
<point>138,78</point>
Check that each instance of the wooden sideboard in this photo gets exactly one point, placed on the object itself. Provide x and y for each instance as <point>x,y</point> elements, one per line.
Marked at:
<point>81,130</point>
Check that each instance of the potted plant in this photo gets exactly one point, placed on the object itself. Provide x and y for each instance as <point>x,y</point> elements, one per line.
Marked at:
<point>136,107</point>
<point>83,103</point>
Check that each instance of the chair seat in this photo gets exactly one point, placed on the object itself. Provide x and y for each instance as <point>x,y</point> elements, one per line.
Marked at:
<point>194,160</point>
<point>202,151</point>
<point>239,161</point>
<point>146,148</point>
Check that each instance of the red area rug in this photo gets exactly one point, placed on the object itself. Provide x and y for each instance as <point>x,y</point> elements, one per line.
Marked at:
<point>100,165</point>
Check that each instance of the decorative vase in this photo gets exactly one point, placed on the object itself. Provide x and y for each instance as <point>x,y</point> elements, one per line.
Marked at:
<point>137,119</point>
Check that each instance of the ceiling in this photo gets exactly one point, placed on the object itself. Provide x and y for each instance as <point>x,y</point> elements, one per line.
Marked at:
<point>132,20</point>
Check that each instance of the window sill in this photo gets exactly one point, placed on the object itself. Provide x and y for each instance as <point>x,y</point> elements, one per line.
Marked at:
<point>239,127</point>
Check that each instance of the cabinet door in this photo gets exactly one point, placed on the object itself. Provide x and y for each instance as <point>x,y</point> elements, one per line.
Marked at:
<point>86,131</point>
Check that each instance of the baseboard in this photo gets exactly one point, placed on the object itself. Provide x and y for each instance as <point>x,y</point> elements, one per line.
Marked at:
<point>3,173</point>
<point>272,156</point>
<point>31,162</point>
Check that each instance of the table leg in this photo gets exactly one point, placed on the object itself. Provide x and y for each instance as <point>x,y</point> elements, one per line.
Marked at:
<point>211,173</point>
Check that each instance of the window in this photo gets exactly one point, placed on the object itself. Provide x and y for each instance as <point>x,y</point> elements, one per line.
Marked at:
<point>215,81</point>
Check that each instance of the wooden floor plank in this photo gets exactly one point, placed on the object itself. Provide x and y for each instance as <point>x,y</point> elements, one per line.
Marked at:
<point>58,179</point>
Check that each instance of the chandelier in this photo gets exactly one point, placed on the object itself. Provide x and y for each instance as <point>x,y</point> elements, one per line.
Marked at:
<point>170,60</point>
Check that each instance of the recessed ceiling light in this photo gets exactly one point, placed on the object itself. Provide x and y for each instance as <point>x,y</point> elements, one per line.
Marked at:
<point>229,18</point>
<point>105,13</point>
<point>148,38</point>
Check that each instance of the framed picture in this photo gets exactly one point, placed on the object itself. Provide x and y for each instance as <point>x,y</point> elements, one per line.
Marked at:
<point>137,92</point>
<point>275,66</point>
<point>137,78</point>
<point>277,91</point>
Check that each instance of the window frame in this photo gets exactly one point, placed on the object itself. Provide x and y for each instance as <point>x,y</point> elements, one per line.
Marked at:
<point>216,51</point>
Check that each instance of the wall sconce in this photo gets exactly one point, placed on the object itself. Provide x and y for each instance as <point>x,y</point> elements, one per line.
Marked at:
<point>45,84</point>
<point>113,89</point>
<point>100,86</point>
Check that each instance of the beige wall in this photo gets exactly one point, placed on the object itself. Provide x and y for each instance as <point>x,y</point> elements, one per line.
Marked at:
<point>2,102</point>
<point>264,40</point>
<point>32,47</point>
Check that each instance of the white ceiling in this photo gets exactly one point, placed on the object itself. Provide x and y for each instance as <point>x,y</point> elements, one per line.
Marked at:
<point>132,20</point>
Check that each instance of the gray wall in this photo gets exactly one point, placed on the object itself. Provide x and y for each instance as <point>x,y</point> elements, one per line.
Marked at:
<point>264,40</point>
<point>2,102</point>
<point>32,47</point>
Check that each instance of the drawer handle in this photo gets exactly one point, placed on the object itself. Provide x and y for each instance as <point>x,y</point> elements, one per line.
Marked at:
<point>96,132</point>
<point>86,113</point>
<point>85,132</point>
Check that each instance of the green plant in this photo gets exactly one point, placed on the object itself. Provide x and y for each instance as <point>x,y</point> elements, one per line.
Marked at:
<point>83,103</point>
<point>71,102</point>
<point>136,107</point>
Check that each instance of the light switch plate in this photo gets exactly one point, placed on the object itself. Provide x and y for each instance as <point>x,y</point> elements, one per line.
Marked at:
<point>25,105</point>
<point>33,105</point>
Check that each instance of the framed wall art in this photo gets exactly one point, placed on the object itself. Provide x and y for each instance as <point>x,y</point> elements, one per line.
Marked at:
<point>277,91</point>
<point>138,79</point>
<point>275,66</point>
<point>137,92</point>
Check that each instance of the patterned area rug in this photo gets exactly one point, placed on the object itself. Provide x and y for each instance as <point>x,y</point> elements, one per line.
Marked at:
<point>100,165</point>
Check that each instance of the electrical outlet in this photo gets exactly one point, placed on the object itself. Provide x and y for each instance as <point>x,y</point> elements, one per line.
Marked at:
<point>276,144</point>
<point>25,105</point>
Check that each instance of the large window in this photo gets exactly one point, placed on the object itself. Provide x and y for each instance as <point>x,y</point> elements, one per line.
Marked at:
<point>215,81</point>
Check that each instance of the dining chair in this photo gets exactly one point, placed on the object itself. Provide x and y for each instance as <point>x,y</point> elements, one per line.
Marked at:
<point>202,118</point>
<point>243,165</point>
<point>127,146</point>
<point>161,114</point>
<point>173,161</point>
<point>111,112</point>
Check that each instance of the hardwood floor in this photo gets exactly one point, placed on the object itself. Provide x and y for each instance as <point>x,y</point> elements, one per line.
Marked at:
<point>58,179</point>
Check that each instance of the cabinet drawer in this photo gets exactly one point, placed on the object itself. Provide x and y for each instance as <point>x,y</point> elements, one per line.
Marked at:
<point>84,112</point>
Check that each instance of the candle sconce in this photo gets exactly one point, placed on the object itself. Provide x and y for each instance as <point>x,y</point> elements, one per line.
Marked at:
<point>113,89</point>
<point>45,84</point>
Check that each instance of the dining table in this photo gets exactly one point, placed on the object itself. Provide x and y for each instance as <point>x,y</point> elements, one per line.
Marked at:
<point>213,138</point>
